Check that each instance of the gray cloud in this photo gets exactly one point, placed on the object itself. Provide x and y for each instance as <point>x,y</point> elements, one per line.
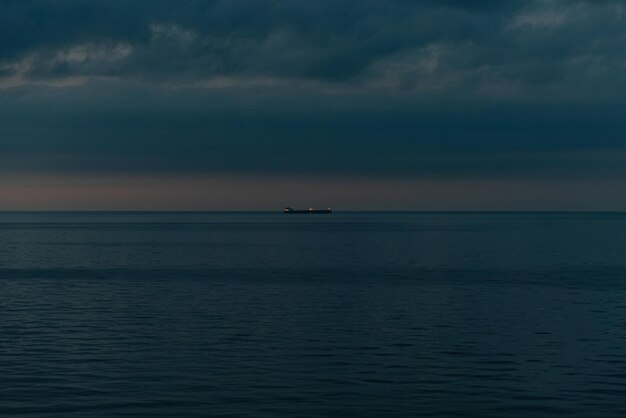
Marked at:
<point>439,89</point>
<point>104,126</point>
<point>496,46</point>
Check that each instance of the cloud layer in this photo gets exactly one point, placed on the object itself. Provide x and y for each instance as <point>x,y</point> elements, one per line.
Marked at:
<point>396,89</point>
<point>496,47</point>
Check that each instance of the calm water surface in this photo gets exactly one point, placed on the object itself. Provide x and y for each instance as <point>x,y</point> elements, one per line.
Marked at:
<point>350,314</point>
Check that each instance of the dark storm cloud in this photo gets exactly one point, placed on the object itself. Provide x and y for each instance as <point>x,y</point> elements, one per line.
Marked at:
<point>192,39</point>
<point>410,88</point>
<point>404,43</point>
<point>135,128</point>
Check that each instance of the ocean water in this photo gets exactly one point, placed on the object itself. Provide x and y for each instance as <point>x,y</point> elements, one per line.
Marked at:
<point>349,314</point>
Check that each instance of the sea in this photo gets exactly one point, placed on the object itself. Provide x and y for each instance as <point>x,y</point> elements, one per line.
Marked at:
<point>354,314</point>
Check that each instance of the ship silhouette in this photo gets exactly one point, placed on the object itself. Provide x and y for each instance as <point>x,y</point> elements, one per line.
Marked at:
<point>309,210</point>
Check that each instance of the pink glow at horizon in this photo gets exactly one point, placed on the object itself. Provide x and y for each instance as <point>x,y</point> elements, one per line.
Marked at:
<point>228,192</point>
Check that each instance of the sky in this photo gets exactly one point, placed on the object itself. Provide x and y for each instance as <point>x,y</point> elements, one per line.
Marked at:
<point>356,105</point>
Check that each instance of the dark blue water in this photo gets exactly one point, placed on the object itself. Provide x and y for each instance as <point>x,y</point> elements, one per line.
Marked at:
<point>350,314</point>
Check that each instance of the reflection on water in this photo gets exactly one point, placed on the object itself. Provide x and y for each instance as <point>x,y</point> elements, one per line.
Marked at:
<point>256,314</point>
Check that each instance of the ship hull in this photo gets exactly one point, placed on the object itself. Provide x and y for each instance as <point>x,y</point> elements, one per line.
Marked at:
<point>307,211</point>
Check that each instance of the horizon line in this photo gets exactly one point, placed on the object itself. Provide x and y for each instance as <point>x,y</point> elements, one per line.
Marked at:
<point>156,211</point>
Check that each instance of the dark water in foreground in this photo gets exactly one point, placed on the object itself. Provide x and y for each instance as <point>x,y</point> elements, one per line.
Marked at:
<point>343,315</point>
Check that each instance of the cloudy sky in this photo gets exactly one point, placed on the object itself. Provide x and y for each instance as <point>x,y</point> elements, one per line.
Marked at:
<point>244,104</point>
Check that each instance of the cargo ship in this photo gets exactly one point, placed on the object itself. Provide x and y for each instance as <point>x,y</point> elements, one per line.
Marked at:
<point>309,210</point>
